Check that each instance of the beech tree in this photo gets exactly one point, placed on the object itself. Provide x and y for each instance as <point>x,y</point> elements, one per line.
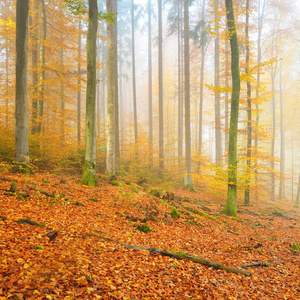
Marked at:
<point>231,202</point>
<point>111,93</point>
<point>88,176</point>
<point>21,110</point>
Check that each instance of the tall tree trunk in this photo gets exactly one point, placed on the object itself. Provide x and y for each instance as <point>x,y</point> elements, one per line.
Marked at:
<point>188,156</point>
<point>117,126</point>
<point>111,93</point>
<point>6,83</point>
<point>79,85</point>
<point>226,95</point>
<point>273,74</point>
<point>150,118</point>
<point>231,202</point>
<point>180,104</point>
<point>34,24</point>
<point>201,92</point>
<point>260,23</point>
<point>134,82</point>
<point>21,110</point>
<point>42,75</point>
<point>282,139</point>
<point>160,91</point>
<point>249,112</point>
<point>62,92</point>
<point>218,135</point>
<point>88,177</point>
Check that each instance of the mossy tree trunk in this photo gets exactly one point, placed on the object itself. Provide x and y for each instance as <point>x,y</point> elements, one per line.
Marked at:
<point>88,176</point>
<point>231,203</point>
<point>21,110</point>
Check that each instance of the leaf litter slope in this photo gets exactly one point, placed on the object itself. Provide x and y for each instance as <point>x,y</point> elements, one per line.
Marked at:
<point>79,265</point>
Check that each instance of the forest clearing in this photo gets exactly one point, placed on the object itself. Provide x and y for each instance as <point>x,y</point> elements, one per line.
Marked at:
<point>78,264</point>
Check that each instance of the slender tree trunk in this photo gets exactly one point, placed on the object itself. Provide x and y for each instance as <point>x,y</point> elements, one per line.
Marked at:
<point>160,91</point>
<point>111,93</point>
<point>218,135</point>
<point>201,92</point>
<point>79,85</point>
<point>88,177</point>
<point>231,202</point>
<point>273,136</point>
<point>117,126</point>
<point>35,63</point>
<point>249,110</point>
<point>188,156</point>
<point>134,82</point>
<point>150,119</point>
<point>62,94</point>
<point>42,75</point>
<point>180,106</point>
<point>282,140</point>
<point>21,110</point>
<point>226,95</point>
<point>6,82</point>
<point>260,23</point>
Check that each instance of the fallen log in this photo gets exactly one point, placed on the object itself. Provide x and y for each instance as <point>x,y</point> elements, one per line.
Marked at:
<point>180,255</point>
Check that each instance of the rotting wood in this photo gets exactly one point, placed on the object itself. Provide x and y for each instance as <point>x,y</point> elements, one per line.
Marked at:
<point>179,255</point>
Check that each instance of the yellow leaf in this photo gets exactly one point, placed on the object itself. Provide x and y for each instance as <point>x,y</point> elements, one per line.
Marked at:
<point>20,260</point>
<point>112,287</point>
<point>26,266</point>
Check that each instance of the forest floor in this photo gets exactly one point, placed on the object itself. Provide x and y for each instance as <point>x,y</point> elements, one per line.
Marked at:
<point>63,240</point>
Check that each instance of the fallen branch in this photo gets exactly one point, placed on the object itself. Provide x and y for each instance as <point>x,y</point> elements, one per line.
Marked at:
<point>29,222</point>
<point>179,255</point>
<point>255,264</point>
<point>6,179</point>
<point>43,192</point>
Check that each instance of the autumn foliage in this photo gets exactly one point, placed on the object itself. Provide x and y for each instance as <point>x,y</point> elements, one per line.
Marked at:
<point>77,263</point>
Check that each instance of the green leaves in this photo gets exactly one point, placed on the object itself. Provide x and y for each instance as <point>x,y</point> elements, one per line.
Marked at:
<point>79,7</point>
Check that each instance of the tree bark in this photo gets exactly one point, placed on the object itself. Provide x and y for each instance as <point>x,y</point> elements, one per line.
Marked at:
<point>117,132</point>
<point>231,203</point>
<point>111,93</point>
<point>150,118</point>
<point>42,75</point>
<point>160,91</point>
<point>218,134</point>
<point>79,85</point>
<point>134,82</point>
<point>201,92</point>
<point>282,140</point>
<point>188,156</point>
<point>249,110</point>
<point>180,106</point>
<point>21,110</point>
<point>88,177</point>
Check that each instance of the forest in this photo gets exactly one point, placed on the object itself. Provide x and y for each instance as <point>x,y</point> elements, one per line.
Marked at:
<point>149,149</point>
